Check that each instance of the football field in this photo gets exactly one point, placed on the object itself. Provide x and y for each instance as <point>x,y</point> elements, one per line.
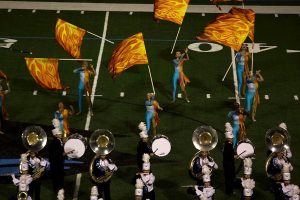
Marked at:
<point>275,36</point>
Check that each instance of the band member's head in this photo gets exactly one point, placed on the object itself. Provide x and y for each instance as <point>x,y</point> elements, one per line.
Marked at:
<point>286,177</point>
<point>57,133</point>
<point>94,192</point>
<point>85,64</point>
<point>142,126</point>
<point>206,180</point>
<point>247,172</point>
<point>32,154</point>
<point>150,96</point>
<point>244,48</point>
<point>204,154</point>
<point>247,193</point>
<point>178,54</point>
<point>144,136</point>
<point>102,157</point>
<point>146,164</point>
<point>236,106</point>
<point>24,168</point>
<point>61,105</point>
<point>139,189</point>
<point>229,136</point>
<point>280,154</point>
<point>283,126</point>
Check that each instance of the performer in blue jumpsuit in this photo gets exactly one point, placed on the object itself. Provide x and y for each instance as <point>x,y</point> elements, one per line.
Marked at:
<point>178,75</point>
<point>149,110</point>
<point>84,84</point>
<point>242,58</point>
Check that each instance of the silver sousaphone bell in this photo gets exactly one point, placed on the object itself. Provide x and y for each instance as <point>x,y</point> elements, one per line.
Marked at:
<point>34,138</point>
<point>204,138</point>
<point>102,142</point>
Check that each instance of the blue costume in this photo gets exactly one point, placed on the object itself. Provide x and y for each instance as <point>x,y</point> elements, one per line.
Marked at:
<point>240,59</point>
<point>250,94</point>
<point>149,112</point>
<point>176,76</point>
<point>81,73</point>
<point>235,126</point>
<point>58,115</point>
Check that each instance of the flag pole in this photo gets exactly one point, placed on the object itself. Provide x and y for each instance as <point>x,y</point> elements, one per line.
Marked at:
<point>175,39</point>
<point>151,79</point>
<point>228,69</point>
<point>252,61</point>
<point>237,99</point>
<point>79,59</point>
<point>100,37</point>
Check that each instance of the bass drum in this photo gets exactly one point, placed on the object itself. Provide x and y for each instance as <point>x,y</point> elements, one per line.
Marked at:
<point>161,145</point>
<point>245,149</point>
<point>76,143</point>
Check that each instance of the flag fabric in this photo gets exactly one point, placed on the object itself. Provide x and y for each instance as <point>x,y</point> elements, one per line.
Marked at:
<point>3,75</point>
<point>45,72</point>
<point>231,29</point>
<point>69,37</point>
<point>128,53</point>
<point>170,10</point>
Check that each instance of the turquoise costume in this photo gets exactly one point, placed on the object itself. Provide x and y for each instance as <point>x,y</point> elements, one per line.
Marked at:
<point>240,59</point>
<point>235,126</point>
<point>149,112</point>
<point>176,77</point>
<point>80,87</point>
<point>250,94</point>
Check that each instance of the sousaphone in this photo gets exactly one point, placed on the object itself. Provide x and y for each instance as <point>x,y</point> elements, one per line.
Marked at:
<point>277,140</point>
<point>204,138</point>
<point>34,139</point>
<point>102,142</point>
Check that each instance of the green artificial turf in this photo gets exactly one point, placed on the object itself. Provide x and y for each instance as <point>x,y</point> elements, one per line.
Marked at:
<point>35,32</point>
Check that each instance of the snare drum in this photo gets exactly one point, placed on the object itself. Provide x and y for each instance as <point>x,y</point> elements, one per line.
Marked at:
<point>245,149</point>
<point>76,143</point>
<point>161,145</point>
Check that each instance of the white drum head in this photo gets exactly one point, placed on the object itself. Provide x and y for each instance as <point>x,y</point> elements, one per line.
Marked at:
<point>161,147</point>
<point>76,145</point>
<point>245,150</point>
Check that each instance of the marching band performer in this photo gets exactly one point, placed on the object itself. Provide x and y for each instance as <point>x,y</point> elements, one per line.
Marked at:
<point>3,93</point>
<point>56,159</point>
<point>279,161</point>
<point>25,178</point>
<point>61,194</point>
<point>203,160</point>
<point>238,119</point>
<point>94,193</point>
<point>287,151</point>
<point>287,187</point>
<point>242,58</point>
<point>62,114</point>
<point>147,178</point>
<point>178,75</point>
<point>247,182</point>
<point>228,163</point>
<point>138,189</point>
<point>142,146</point>
<point>252,96</point>
<point>101,166</point>
<point>151,112</point>
<point>35,162</point>
<point>84,85</point>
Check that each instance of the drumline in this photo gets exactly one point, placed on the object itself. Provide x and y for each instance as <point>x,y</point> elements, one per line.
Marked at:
<point>201,167</point>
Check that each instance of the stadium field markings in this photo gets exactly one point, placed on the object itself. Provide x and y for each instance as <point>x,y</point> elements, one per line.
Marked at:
<point>292,51</point>
<point>9,10</point>
<point>296,97</point>
<point>82,12</point>
<point>33,11</point>
<point>58,11</point>
<point>130,13</point>
<point>34,93</point>
<point>208,96</point>
<point>203,14</point>
<point>267,97</point>
<point>276,15</point>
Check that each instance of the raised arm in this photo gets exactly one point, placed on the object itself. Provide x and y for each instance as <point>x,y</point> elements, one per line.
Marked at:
<point>260,78</point>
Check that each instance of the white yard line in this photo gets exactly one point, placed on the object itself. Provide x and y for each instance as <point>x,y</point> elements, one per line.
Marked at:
<point>138,7</point>
<point>77,186</point>
<point>88,118</point>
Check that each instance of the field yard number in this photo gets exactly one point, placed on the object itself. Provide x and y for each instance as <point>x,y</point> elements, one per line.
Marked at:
<point>6,42</point>
<point>209,47</point>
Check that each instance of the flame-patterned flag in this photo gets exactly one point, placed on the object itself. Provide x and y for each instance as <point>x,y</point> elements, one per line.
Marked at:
<point>230,29</point>
<point>170,10</point>
<point>129,52</point>
<point>45,72</point>
<point>69,37</point>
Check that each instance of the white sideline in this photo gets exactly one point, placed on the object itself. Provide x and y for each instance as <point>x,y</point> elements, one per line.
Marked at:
<point>139,7</point>
<point>88,118</point>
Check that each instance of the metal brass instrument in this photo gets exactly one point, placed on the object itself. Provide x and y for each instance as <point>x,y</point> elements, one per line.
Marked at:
<point>22,195</point>
<point>34,138</point>
<point>102,142</point>
<point>204,138</point>
<point>277,140</point>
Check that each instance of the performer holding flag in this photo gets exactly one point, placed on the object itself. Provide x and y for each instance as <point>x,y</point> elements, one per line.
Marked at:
<point>84,85</point>
<point>178,75</point>
<point>151,112</point>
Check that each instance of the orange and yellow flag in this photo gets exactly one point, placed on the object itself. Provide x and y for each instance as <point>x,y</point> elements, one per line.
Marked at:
<point>170,10</point>
<point>230,29</point>
<point>129,52</point>
<point>69,37</point>
<point>45,72</point>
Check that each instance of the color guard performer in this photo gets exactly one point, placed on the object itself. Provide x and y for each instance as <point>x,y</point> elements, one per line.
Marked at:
<point>62,115</point>
<point>142,146</point>
<point>101,167</point>
<point>147,178</point>
<point>252,96</point>
<point>178,75</point>
<point>228,163</point>
<point>238,127</point>
<point>84,85</point>
<point>152,106</point>
<point>242,58</point>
